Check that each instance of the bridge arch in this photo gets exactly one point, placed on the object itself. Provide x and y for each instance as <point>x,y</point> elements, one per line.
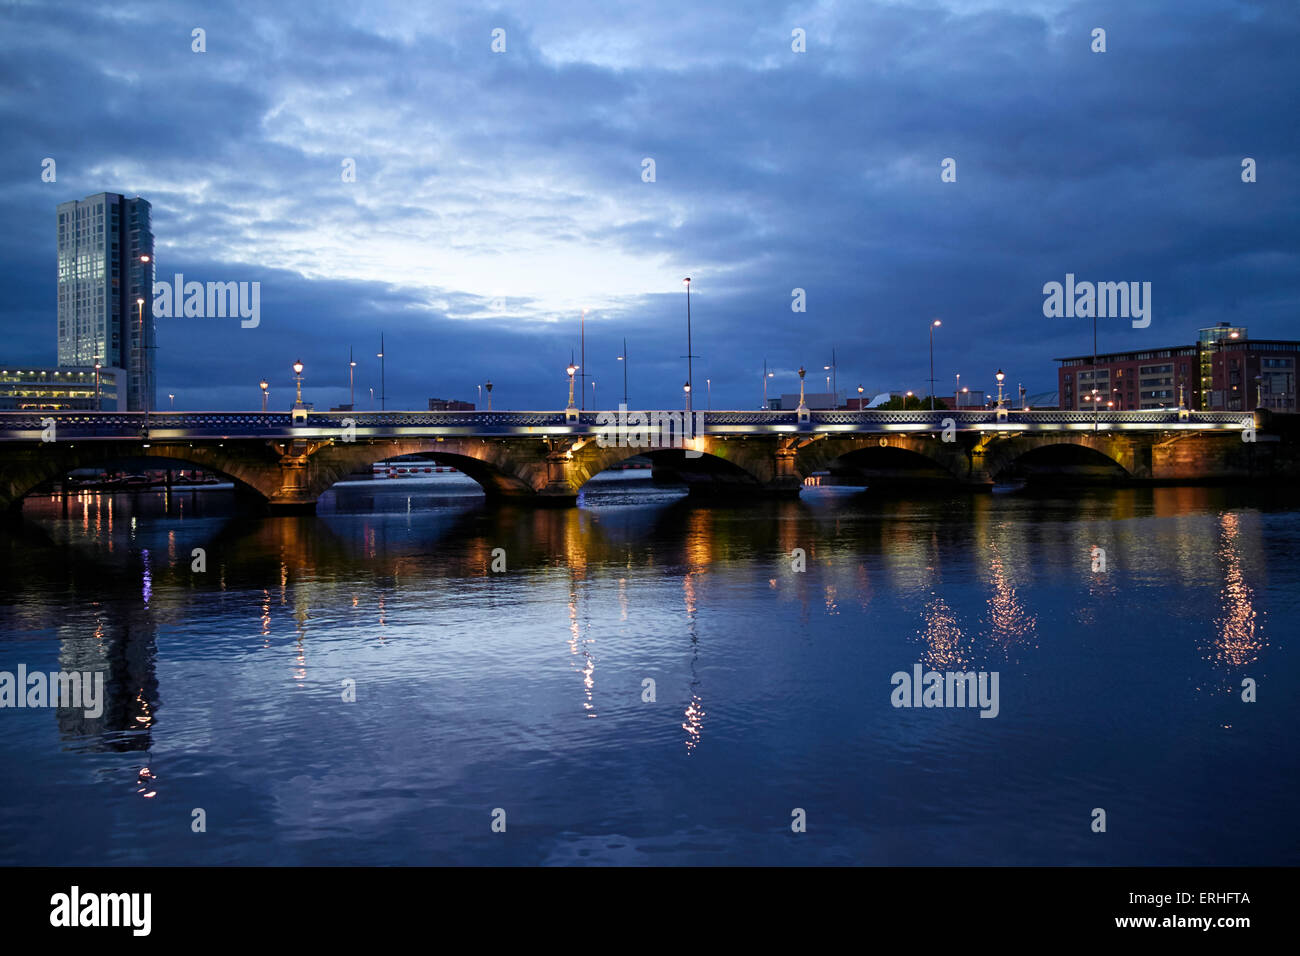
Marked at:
<point>713,464</point>
<point>888,458</point>
<point>23,473</point>
<point>1085,456</point>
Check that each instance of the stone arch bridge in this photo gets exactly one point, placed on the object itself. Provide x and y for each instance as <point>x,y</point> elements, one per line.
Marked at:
<point>288,460</point>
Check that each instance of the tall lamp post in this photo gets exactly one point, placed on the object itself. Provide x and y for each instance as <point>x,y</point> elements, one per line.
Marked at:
<point>623,358</point>
<point>140,358</point>
<point>1000,376</point>
<point>297,374</point>
<point>264,385</point>
<point>570,370</point>
<point>686,390</point>
<point>582,353</point>
<point>97,368</point>
<point>802,372</point>
<point>689,351</point>
<point>860,390</point>
<point>352,370</point>
<point>834,382</point>
<point>708,386</point>
<point>933,325</point>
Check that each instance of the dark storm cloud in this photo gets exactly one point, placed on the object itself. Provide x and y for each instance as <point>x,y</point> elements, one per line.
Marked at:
<point>519,175</point>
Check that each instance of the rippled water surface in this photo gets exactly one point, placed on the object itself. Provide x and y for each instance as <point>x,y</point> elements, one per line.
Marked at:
<point>524,689</point>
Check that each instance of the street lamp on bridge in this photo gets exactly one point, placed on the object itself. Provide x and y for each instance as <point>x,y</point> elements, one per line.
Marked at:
<point>1000,376</point>
<point>570,370</point>
<point>352,370</point>
<point>297,372</point>
<point>264,385</point>
<point>690,374</point>
<point>933,325</point>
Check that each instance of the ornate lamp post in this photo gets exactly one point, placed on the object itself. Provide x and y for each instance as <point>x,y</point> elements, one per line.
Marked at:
<point>1000,376</point>
<point>570,370</point>
<point>264,385</point>
<point>297,372</point>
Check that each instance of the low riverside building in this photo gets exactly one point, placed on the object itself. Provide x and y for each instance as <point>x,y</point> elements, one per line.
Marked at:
<point>24,388</point>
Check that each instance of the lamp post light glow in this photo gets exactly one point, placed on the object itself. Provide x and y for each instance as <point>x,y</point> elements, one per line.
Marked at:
<point>1000,376</point>
<point>297,372</point>
<point>570,370</point>
<point>860,390</point>
<point>802,372</point>
<point>686,390</point>
<point>97,368</point>
<point>264,385</point>
<point>171,396</point>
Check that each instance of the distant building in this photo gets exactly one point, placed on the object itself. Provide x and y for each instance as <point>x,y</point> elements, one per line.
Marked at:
<point>1239,374</point>
<point>1043,401</point>
<point>790,400</point>
<point>1122,381</point>
<point>1224,371</point>
<point>449,405</point>
<point>63,389</point>
<point>968,398</point>
<point>105,290</point>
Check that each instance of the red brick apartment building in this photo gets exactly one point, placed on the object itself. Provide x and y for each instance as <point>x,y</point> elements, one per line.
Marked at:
<point>1224,371</point>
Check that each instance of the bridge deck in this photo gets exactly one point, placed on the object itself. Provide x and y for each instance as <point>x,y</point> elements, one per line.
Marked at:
<point>175,426</point>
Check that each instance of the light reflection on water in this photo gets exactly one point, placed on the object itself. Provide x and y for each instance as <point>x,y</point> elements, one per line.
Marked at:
<point>525,689</point>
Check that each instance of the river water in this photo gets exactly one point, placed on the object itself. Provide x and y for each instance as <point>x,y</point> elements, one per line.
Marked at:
<point>502,662</point>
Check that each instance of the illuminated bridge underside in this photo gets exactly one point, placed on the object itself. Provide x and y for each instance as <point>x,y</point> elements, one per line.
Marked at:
<point>288,461</point>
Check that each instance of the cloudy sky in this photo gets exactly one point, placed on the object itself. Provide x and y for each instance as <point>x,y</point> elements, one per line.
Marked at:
<point>497,194</point>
